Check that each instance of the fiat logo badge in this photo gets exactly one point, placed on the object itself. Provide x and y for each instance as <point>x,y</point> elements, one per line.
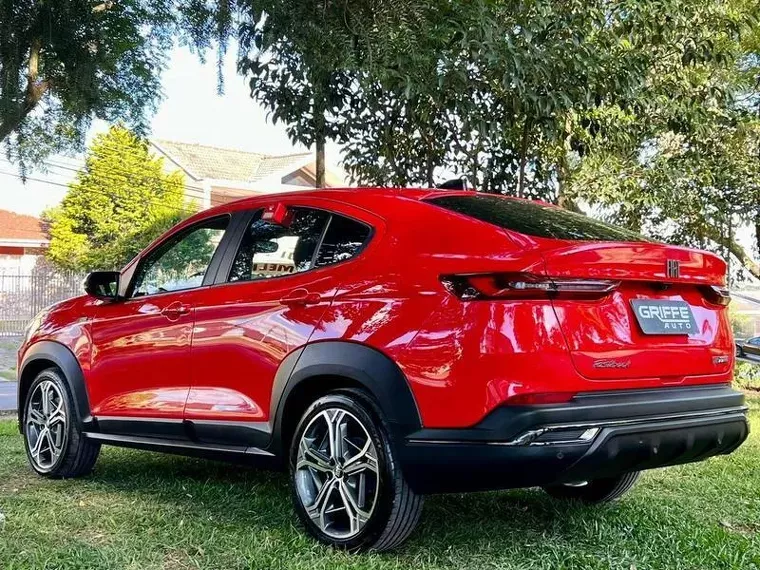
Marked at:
<point>673,268</point>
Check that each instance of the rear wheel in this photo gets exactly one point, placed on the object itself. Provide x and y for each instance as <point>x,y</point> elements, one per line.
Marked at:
<point>55,444</point>
<point>596,490</point>
<point>347,486</point>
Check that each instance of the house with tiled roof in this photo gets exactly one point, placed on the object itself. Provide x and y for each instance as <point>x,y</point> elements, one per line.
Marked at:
<point>218,175</point>
<point>23,240</point>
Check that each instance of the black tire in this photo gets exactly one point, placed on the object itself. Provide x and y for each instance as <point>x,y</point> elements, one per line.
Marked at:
<point>78,454</point>
<point>396,510</point>
<point>596,490</point>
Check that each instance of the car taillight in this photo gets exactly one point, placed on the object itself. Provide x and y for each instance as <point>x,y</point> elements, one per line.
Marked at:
<point>716,294</point>
<point>525,286</point>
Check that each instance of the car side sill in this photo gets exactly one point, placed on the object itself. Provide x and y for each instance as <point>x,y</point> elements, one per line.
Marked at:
<point>210,433</point>
<point>180,447</point>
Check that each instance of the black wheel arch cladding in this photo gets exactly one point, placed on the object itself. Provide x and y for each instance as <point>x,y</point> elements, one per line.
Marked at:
<point>364,365</point>
<point>40,356</point>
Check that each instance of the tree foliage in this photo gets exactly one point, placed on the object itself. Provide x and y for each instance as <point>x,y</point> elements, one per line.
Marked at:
<point>644,110</point>
<point>120,202</point>
<point>303,58</point>
<point>511,89</point>
<point>65,62</point>
<point>686,168</point>
<point>633,107</point>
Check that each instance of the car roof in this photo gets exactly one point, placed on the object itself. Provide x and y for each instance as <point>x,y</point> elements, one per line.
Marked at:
<point>356,196</point>
<point>370,198</point>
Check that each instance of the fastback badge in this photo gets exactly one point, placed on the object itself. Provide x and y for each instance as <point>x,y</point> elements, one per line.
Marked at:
<point>612,363</point>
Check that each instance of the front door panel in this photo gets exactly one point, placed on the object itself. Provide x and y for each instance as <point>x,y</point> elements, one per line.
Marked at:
<point>140,360</point>
<point>141,346</point>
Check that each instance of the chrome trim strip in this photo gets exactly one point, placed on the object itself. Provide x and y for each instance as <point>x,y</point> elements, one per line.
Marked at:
<point>528,437</point>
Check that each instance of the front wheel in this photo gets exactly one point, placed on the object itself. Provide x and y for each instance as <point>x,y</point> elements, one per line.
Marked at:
<point>55,444</point>
<point>347,486</point>
<point>595,490</point>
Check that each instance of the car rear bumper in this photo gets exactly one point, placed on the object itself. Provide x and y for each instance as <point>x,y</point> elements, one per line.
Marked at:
<point>599,434</point>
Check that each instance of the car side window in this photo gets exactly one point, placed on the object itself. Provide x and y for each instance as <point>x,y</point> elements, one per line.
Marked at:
<point>272,250</point>
<point>182,262</point>
<point>755,341</point>
<point>343,239</point>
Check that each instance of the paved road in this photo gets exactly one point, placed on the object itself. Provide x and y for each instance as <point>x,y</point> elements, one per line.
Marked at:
<point>7,396</point>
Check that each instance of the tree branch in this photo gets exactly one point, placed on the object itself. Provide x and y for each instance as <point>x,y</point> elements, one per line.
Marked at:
<point>34,92</point>
<point>735,249</point>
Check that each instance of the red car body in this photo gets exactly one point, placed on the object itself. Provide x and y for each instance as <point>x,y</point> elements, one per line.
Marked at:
<point>215,362</point>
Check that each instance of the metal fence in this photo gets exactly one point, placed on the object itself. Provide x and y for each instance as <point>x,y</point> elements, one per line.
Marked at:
<point>22,296</point>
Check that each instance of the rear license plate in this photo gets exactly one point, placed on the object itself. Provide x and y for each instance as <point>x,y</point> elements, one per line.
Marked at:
<point>664,317</point>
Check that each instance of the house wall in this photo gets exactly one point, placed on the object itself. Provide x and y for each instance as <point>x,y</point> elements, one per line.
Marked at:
<point>19,260</point>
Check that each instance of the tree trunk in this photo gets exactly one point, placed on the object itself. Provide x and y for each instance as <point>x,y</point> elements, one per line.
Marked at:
<point>563,200</point>
<point>475,170</point>
<point>429,173</point>
<point>319,138</point>
<point>320,183</point>
<point>35,89</point>
<point>563,169</point>
<point>523,158</point>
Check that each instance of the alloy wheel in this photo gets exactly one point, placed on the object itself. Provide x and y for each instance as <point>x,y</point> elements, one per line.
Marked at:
<point>46,425</point>
<point>337,476</point>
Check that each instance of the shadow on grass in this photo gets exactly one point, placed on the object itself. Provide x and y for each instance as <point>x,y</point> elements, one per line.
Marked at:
<point>250,498</point>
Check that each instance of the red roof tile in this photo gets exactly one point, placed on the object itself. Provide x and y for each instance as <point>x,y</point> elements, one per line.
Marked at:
<point>20,226</point>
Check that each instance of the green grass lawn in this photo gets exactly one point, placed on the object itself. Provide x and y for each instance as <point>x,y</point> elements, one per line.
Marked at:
<point>8,374</point>
<point>747,375</point>
<point>141,511</point>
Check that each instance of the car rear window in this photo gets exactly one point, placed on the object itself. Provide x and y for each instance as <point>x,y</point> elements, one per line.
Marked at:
<point>534,218</point>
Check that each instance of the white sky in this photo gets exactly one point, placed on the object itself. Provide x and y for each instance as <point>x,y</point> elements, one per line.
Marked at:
<point>190,112</point>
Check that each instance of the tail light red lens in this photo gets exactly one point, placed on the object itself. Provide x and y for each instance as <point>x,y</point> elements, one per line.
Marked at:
<point>525,286</point>
<point>716,294</point>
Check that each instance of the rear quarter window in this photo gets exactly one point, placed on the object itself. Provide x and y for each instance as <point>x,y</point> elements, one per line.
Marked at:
<point>534,218</point>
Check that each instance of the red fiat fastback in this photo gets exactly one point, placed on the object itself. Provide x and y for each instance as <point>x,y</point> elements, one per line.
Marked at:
<point>383,344</point>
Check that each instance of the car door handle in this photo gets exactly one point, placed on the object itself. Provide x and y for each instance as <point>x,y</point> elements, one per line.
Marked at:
<point>300,297</point>
<point>175,311</point>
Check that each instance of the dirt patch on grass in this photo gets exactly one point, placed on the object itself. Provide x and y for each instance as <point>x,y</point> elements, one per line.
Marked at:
<point>746,530</point>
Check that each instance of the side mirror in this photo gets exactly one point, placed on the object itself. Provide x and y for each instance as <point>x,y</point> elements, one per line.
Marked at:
<point>102,284</point>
